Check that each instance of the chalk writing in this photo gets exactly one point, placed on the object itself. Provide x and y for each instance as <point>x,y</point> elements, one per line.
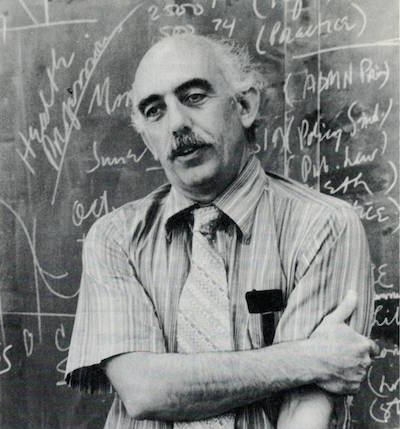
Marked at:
<point>224,24</point>
<point>175,10</point>
<point>109,161</point>
<point>372,72</point>
<point>362,120</point>
<point>379,43</point>
<point>60,336</point>
<point>51,148</point>
<point>369,212</point>
<point>34,314</point>
<point>397,205</point>
<point>348,183</point>
<point>308,168</point>
<point>379,276</point>
<point>359,157</point>
<point>39,271</point>
<point>101,96</point>
<point>318,133</point>
<point>383,412</point>
<point>384,406</point>
<point>282,34</point>
<point>384,352</point>
<point>337,79</point>
<point>395,177</point>
<point>296,8</point>
<point>172,30</point>
<point>61,368</point>
<point>281,134</point>
<point>36,24</point>
<point>387,295</point>
<point>98,208</point>
<point>28,341</point>
<point>368,72</point>
<point>5,359</point>
<point>60,138</point>
<point>385,316</point>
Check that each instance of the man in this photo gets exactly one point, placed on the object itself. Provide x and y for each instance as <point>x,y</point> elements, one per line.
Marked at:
<point>162,313</point>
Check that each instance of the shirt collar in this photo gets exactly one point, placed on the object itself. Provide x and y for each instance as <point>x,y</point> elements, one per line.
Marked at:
<point>238,201</point>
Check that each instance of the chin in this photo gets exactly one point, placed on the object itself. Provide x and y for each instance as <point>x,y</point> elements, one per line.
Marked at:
<point>199,179</point>
<point>201,173</point>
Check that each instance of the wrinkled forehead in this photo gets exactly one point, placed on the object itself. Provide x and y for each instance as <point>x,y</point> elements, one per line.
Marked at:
<point>171,63</point>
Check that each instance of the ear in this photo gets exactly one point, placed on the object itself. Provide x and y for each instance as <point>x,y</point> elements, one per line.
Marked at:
<point>149,145</point>
<point>248,105</point>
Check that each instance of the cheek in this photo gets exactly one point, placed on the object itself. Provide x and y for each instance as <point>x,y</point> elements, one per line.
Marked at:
<point>156,142</point>
<point>219,121</point>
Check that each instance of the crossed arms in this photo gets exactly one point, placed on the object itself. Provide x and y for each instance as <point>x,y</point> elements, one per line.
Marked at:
<point>196,386</point>
<point>327,356</point>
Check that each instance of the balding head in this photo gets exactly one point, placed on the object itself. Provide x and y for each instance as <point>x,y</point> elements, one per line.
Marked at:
<point>230,60</point>
<point>191,115</point>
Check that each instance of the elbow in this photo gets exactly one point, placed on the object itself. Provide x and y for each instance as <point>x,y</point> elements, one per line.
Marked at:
<point>144,405</point>
<point>138,409</point>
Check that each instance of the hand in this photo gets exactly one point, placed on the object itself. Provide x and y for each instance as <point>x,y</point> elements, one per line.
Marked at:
<point>344,354</point>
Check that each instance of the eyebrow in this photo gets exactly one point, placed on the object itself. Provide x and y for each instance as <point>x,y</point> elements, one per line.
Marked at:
<point>192,83</point>
<point>195,83</point>
<point>148,100</point>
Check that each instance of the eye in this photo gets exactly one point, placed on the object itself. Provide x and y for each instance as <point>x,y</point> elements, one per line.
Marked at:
<point>195,98</point>
<point>153,111</point>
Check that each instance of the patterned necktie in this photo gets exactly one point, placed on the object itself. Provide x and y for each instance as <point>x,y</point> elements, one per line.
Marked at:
<point>203,315</point>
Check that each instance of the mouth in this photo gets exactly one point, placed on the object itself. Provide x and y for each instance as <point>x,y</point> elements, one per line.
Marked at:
<point>186,151</point>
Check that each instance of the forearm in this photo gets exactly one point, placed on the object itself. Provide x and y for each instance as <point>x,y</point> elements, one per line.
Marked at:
<point>307,407</point>
<point>196,386</point>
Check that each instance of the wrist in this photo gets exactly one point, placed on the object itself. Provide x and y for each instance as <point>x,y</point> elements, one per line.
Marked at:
<point>305,364</point>
<point>310,351</point>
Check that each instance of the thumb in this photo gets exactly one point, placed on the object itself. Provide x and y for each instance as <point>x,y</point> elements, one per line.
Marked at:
<point>344,309</point>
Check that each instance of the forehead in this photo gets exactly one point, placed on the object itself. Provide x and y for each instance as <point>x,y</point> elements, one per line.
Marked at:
<point>167,65</point>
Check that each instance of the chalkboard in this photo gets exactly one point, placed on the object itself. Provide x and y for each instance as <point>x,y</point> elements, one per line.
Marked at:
<point>68,155</point>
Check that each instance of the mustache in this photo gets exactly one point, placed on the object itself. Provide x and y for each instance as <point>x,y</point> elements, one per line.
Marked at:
<point>187,140</point>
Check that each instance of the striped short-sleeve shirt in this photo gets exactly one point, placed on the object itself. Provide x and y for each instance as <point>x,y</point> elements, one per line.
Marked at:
<point>276,234</point>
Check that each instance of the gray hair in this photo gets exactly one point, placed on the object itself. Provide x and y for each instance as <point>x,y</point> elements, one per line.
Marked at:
<point>237,67</point>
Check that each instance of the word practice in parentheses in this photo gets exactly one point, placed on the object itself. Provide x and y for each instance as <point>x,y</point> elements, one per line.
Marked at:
<point>284,34</point>
<point>35,22</point>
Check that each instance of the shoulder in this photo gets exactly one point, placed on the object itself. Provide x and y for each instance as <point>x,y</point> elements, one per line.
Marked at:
<point>307,218</point>
<point>129,220</point>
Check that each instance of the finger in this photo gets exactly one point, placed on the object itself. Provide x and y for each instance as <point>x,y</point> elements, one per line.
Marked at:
<point>373,348</point>
<point>344,309</point>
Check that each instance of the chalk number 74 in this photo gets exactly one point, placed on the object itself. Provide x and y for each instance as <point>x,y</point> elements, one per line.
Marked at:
<point>224,24</point>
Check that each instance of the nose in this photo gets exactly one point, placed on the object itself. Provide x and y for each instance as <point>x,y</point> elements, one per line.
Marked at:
<point>178,118</point>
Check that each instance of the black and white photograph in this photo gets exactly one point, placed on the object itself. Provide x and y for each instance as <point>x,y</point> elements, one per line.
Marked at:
<point>199,214</point>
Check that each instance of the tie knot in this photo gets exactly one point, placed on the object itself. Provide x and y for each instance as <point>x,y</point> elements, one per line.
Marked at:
<point>205,220</point>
